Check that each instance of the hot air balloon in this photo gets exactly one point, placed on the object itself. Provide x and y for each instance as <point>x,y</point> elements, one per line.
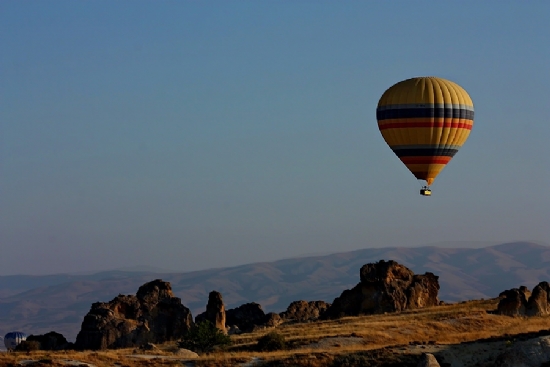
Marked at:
<point>425,121</point>
<point>13,339</point>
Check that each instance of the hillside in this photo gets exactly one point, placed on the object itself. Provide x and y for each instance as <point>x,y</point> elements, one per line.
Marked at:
<point>59,302</point>
<point>466,334</point>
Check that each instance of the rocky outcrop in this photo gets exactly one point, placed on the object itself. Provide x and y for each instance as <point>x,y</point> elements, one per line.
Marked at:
<point>153,315</point>
<point>386,286</point>
<point>423,291</point>
<point>512,302</point>
<point>250,317</point>
<point>51,341</point>
<point>304,311</point>
<point>246,317</point>
<point>521,302</point>
<point>539,302</point>
<point>215,311</point>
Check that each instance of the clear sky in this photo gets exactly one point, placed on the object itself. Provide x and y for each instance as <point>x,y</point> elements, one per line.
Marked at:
<point>188,135</point>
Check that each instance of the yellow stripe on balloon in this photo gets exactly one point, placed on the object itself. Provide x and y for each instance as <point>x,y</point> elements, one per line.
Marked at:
<point>425,90</point>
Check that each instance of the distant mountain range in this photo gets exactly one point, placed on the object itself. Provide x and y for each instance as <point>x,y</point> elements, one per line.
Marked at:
<point>39,304</point>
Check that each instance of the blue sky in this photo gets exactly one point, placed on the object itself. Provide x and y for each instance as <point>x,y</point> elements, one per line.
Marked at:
<point>187,135</point>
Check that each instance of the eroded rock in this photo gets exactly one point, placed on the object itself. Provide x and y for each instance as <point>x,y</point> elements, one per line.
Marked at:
<point>305,311</point>
<point>386,286</point>
<point>215,311</point>
<point>246,316</point>
<point>153,315</point>
<point>538,304</point>
<point>51,341</point>
<point>512,303</point>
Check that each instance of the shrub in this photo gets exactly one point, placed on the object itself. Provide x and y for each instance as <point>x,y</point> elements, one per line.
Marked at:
<point>203,337</point>
<point>271,341</point>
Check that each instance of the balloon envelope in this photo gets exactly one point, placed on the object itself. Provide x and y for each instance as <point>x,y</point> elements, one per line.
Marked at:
<point>425,121</point>
<point>13,339</point>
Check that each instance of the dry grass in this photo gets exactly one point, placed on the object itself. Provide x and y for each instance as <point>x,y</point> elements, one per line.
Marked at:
<point>448,324</point>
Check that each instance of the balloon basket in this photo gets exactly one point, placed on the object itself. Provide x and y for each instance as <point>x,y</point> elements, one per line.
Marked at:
<point>425,191</point>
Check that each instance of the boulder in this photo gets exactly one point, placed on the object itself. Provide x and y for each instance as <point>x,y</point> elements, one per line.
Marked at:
<point>51,341</point>
<point>153,315</point>
<point>538,303</point>
<point>246,316</point>
<point>185,354</point>
<point>304,311</point>
<point>215,311</point>
<point>386,286</point>
<point>512,302</point>
<point>428,360</point>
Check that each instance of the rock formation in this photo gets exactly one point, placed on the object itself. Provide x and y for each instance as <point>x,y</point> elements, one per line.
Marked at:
<point>215,311</point>
<point>539,302</point>
<point>246,316</point>
<point>512,302</point>
<point>51,341</point>
<point>521,302</point>
<point>423,291</point>
<point>304,311</point>
<point>153,315</point>
<point>386,286</point>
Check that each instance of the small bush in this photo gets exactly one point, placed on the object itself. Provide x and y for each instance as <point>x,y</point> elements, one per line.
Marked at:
<point>203,337</point>
<point>271,341</point>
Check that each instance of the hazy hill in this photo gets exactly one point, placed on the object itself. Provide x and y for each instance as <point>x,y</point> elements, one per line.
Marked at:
<point>38,304</point>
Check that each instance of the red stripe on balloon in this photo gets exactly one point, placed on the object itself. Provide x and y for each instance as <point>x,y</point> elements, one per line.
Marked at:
<point>425,160</point>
